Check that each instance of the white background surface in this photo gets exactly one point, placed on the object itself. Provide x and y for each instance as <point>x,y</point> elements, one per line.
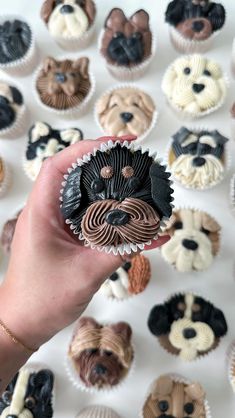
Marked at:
<point>217,283</point>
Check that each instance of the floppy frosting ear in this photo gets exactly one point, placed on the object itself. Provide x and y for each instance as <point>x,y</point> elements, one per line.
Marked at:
<point>44,381</point>
<point>47,9</point>
<point>210,223</point>
<point>217,15</point>
<point>71,193</point>
<point>103,103</point>
<point>162,387</point>
<point>83,65</point>
<point>219,139</point>
<point>195,392</point>
<point>159,321</point>
<point>161,190</point>
<point>90,9</point>
<point>16,95</point>
<point>49,63</point>
<point>218,322</point>
<point>141,20</point>
<point>175,12</point>
<point>181,135</point>
<point>147,103</point>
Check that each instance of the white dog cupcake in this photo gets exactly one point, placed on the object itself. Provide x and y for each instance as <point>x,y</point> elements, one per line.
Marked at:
<point>194,86</point>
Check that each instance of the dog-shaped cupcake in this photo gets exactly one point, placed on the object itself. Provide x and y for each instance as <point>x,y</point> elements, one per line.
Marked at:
<point>63,84</point>
<point>101,354</point>
<point>125,41</point>
<point>195,240</point>
<point>197,158</point>
<point>187,325</point>
<point>174,398</point>
<point>44,142</point>
<point>11,102</point>
<point>130,279</point>
<point>194,84</point>
<point>68,18</point>
<point>28,395</point>
<point>125,111</point>
<point>195,19</point>
<point>15,39</point>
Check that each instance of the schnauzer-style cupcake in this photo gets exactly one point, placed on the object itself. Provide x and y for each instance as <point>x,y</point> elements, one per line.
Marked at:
<point>65,86</point>
<point>195,240</point>
<point>193,24</point>
<point>5,177</point>
<point>197,158</point>
<point>174,394</point>
<point>12,111</point>
<point>100,356</point>
<point>187,325</point>
<point>18,51</point>
<point>7,233</point>
<point>126,110</point>
<point>29,394</point>
<point>45,141</point>
<point>97,411</point>
<point>127,44</point>
<point>129,280</point>
<point>70,22</point>
<point>115,198</point>
<point>194,86</point>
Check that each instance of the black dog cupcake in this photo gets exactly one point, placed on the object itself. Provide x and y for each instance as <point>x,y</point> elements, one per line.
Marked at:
<point>12,111</point>
<point>116,198</point>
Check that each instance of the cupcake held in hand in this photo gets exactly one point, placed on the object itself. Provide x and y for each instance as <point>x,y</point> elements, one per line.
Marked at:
<point>116,197</point>
<point>187,326</point>
<point>101,355</point>
<point>197,158</point>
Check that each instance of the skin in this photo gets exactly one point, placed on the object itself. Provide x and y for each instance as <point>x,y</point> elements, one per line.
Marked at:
<point>51,277</point>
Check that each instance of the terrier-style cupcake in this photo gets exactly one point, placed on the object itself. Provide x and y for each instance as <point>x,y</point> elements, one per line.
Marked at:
<point>7,233</point>
<point>126,110</point>
<point>116,197</point>
<point>45,141</point>
<point>197,157</point>
<point>129,280</point>
<point>173,394</point>
<point>4,177</point>
<point>97,411</point>
<point>193,23</point>
<point>187,325</point>
<point>101,355</point>
<point>70,22</point>
<point>195,240</point>
<point>194,86</point>
<point>12,111</point>
<point>64,86</point>
<point>126,44</point>
<point>18,52</point>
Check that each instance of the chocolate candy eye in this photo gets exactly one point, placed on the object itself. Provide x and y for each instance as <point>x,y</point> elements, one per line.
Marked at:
<point>187,70</point>
<point>163,406</point>
<point>137,35</point>
<point>207,72</point>
<point>97,185</point>
<point>178,225</point>
<point>189,408</point>
<point>106,172</point>
<point>6,397</point>
<point>126,266</point>
<point>108,353</point>
<point>42,147</point>
<point>118,35</point>
<point>30,402</point>
<point>92,351</point>
<point>128,171</point>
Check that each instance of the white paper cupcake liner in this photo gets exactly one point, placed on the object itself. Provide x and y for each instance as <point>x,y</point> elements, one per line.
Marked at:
<point>180,379</point>
<point>80,385</point>
<point>4,186</point>
<point>232,194</point>
<point>76,111</point>
<point>231,365</point>
<point>123,73</point>
<point>124,248</point>
<point>188,46</point>
<point>25,65</point>
<point>227,162</point>
<point>97,411</point>
<point>155,116</point>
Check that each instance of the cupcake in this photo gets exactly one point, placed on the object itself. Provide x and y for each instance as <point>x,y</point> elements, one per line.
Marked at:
<point>232,120</point>
<point>45,141</point>
<point>129,280</point>
<point>187,325</point>
<point>126,110</point>
<point>12,111</point>
<point>97,411</point>
<point>4,177</point>
<point>29,394</point>
<point>7,234</point>
<point>116,197</point>
<point>127,44</point>
<point>173,394</point>
<point>231,366</point>
<point>195,240</point>
<point>64,87</point>
<point>193,24</point>
<point>100,355</point>
<point>18,52</point>
<point>194,86</point>
<point>197,157</point>
<point>70,22</point>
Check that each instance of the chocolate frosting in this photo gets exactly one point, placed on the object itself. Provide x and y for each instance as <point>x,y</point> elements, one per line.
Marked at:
<point>15,40</point>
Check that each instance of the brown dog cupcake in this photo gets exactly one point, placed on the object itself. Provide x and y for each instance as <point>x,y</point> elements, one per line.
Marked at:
<point>101,355</point>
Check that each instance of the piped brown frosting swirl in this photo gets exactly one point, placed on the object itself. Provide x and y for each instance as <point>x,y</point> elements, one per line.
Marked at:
<point>143,224</point>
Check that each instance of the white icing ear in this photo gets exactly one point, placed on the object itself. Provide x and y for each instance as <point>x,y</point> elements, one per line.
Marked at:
<point>120,286</point>
<point>39,129</point>
<point>71,135</point>
<point>17,403</point>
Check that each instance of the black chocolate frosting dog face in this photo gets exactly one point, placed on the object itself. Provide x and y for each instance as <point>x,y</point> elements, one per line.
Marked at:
<point>15,39</point>
<point>10,102</point>
<point>28,394</point>
<point>118,197</point>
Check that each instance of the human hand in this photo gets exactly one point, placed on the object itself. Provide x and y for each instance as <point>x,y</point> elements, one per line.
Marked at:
<point>51,276</point>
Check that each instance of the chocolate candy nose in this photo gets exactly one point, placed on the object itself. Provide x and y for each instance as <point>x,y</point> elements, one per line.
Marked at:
<point>197,25</point>
<point>126,116</point>
<point>117,217</point>
<point>190,244</point>
<point>189,333</point>
<point>198,161</point>
<point>100,369</point>
<point>66,9</point>
<point>197,88</point>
